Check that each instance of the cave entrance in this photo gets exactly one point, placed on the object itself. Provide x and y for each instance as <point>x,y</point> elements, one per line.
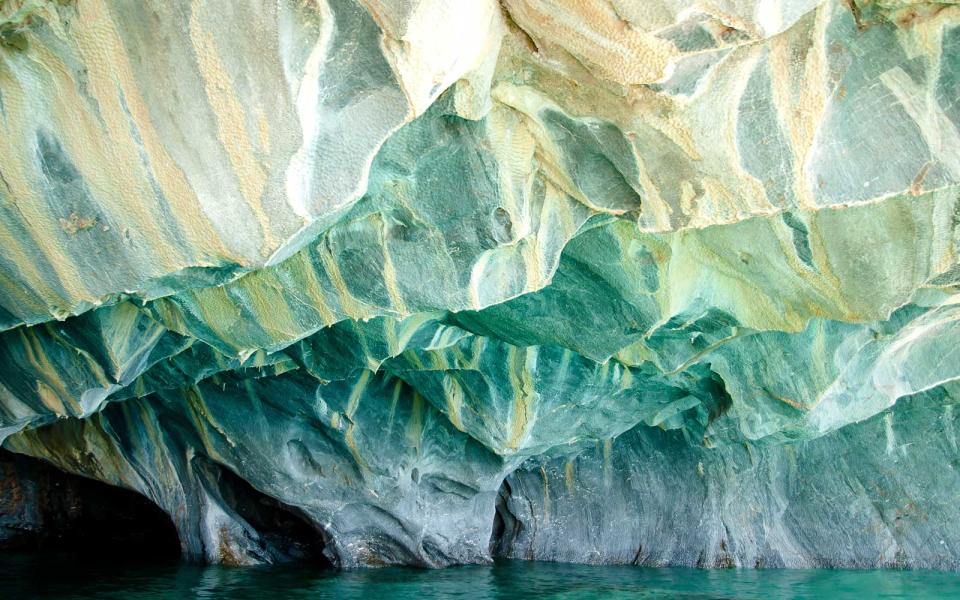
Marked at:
<point>48,510</point>
<point>288,536</point>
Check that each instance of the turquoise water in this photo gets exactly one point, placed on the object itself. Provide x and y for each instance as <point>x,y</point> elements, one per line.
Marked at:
<point>23,576</point>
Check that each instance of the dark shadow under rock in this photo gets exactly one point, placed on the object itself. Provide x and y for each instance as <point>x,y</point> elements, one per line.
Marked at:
<point>505,524</point>
<point>43,508</point>
<point>283,533</point>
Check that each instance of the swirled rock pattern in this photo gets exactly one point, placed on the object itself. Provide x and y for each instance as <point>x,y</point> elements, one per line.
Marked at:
<point>428,282</point>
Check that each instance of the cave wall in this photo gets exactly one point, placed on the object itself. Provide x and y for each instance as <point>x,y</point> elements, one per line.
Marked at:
<point>368,282</point>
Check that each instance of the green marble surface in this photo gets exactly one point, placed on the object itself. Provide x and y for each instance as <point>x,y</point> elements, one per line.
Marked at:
<point>591,281</point>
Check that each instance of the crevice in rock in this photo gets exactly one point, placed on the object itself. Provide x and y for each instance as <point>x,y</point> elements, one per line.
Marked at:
<point>285,533</point>
<point>505,524</point>
<point>45,509</point>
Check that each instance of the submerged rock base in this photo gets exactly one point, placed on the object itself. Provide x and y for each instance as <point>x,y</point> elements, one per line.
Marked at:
<point>377,282</point>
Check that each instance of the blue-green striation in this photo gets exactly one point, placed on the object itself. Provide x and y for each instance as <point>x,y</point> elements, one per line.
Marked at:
<point>604,282</point>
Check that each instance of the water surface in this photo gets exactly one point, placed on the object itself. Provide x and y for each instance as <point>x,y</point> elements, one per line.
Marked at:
<point>54,576</point>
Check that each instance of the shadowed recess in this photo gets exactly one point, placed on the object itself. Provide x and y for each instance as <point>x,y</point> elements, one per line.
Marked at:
<point>285,533</point>
<point>45,509</point>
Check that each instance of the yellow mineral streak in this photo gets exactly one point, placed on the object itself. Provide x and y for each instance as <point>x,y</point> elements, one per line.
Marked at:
<point>52,385</point>
<point>801,96</point>
<point>394,398</point>
<point>594,33</point>
<point>478,344</point>
<point>390,272</point>
<point>438,360</point>
<point>180,197</point>
<point>347,302</point>
<point>357,392</point>
<point>371,361</point>
<point>316,293</point>
<point>112,168</point>
<point>520,363</point>
<point>532,264</point>
<point>454,395</point>
<point>267,298</point>
<point>350,440</point>
<point>219,313</point>
<point>27,199</point>
<point>231,122</point>
<point>22,293</point>
<point>514,146</point>
<point>751,196</point>
<point>203,418</point>
<point>51,400</point>
<point>414,432</point>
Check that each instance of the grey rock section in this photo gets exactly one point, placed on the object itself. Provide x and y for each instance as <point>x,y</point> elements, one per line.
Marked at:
<point>881,493</point>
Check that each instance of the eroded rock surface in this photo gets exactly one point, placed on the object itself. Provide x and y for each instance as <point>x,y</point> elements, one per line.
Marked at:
<point>373,282</point>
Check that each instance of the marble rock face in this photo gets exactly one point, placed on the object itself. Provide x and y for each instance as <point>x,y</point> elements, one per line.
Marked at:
<point>437,281</point>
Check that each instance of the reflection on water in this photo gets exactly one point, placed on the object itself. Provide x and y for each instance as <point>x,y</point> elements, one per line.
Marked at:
<point>55,576</point>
